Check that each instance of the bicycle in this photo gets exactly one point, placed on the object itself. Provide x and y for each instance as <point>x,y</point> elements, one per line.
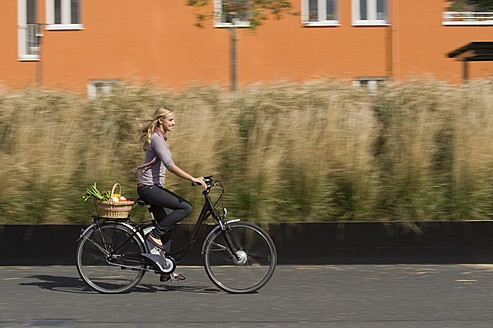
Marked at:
<point>113,254</point>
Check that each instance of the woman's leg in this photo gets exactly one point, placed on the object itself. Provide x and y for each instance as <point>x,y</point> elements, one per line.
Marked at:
<point>161,200</point>
<point>160,213</point>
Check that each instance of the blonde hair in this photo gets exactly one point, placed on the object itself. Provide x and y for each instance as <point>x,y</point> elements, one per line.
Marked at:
<point>148,127</point>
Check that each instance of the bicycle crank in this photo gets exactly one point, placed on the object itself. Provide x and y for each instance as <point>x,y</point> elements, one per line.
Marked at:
<point>163,263</point>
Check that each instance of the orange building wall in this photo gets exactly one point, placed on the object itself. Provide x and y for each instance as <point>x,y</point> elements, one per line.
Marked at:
<point>12,73</point>
<point>424,42</point>
<point>158,41</point>
<point>294,51</point>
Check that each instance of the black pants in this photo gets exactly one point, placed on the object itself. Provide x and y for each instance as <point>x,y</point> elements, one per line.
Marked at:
<point>162,201</point>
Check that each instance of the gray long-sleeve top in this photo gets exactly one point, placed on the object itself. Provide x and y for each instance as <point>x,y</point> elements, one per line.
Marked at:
<point>155,174</point>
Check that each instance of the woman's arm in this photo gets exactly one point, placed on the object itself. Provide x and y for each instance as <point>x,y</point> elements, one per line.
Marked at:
<point>182,174</point>
<point>164,154</point>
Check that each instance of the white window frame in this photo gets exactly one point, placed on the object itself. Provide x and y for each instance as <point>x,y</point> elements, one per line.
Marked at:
<point>322,12</point>
<point>370,82</point>
<point>464,18</point>
<point>218,12</point>
<point>23,31</point>
<point>66,16</point>
<point>99,87</point>
<point>371,14</point>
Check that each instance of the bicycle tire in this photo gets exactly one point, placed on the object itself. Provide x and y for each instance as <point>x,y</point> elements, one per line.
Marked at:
<point>118,274</point>
<point>257,252</point>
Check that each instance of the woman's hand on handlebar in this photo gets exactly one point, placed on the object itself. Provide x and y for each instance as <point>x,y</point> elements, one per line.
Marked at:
<point>200,181</point>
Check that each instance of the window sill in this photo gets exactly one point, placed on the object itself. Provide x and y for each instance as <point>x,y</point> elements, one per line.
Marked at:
<point>322,24</point>
<point>223,25</point>
<point>64,27</point>
<point>371,23</point>
<point>28,59</point>
<point>466,23</point>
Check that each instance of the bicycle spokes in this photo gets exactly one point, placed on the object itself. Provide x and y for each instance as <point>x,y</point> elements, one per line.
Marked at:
<point>105,270</point>
<point>247,267</point>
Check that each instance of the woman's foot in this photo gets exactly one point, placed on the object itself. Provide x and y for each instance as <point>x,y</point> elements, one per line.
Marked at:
<point>167,277</point>
<point>156,242</point>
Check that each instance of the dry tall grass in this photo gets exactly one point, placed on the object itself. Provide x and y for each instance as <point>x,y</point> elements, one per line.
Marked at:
<point>315,151</point>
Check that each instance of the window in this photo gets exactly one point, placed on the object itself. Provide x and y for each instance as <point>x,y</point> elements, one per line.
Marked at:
<point>370,82</point>
<point>99,87</point>
<point>63,14</point>
<point>463,12</point>
<point>370,12</point>
<point>29,32</point>
<point>320,13</point>
<point>231,12</point>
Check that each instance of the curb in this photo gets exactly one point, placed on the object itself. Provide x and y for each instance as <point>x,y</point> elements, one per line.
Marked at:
<point>297,243</point>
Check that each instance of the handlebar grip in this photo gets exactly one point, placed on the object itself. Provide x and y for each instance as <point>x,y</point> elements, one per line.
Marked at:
<point>206,179</point>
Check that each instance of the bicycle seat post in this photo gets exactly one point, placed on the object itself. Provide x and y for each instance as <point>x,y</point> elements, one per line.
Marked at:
<point>151,213</point>
<point>142,202</point>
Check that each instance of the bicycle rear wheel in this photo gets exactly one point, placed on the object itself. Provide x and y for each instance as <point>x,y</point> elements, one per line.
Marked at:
<point>108,260</point>
<point>253,265</point>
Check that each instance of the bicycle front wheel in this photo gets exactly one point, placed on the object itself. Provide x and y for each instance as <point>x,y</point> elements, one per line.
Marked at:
<point>251,265</point>
<point>109,260</point>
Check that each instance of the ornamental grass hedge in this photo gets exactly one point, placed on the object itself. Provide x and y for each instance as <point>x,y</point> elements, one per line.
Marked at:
<point>316,151</point>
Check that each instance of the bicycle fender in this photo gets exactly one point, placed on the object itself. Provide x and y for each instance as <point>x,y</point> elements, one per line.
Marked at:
<point>86,231</point>
<point>129,226</point>
<point>215,229</point>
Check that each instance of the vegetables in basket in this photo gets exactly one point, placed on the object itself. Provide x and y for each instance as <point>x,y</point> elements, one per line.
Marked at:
<point>110,204</point>
<point>93,192</point>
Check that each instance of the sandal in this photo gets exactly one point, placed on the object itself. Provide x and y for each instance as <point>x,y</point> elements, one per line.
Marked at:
<point>151,240</point>
<point>176,277</point>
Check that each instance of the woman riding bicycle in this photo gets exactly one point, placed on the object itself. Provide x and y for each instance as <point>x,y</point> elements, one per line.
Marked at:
<point>158,159</point>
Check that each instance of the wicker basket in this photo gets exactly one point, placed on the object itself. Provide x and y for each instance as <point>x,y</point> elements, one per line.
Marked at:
<point>114,210</point>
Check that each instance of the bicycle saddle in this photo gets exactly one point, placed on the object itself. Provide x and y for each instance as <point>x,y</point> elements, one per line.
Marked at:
<point>141,202</point>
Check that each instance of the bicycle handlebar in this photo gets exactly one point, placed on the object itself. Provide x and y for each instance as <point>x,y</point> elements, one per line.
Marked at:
<point>208,181</point>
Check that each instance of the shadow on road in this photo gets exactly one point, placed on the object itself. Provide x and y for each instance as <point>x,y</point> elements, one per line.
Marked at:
<point>58,284</point>
<point>184,289</point>
<point>76,285</point>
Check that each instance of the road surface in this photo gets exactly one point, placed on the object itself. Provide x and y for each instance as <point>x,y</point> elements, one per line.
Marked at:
<point>297,296</point>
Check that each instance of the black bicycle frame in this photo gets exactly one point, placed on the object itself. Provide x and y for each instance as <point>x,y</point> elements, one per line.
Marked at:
<point>207,210</point>
<point>138,228</point>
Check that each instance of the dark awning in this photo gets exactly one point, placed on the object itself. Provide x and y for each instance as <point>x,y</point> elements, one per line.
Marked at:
<point>474,51</point>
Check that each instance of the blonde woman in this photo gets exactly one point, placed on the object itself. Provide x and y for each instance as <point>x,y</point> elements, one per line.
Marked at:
<point>158,159</point>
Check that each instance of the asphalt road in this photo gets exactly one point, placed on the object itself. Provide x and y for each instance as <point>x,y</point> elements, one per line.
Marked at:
<point>297,296</point>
